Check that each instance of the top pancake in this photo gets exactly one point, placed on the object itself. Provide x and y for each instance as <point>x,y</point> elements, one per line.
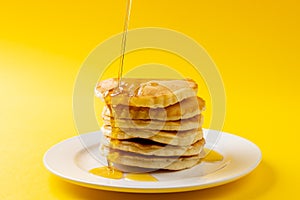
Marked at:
<point>146,92</point>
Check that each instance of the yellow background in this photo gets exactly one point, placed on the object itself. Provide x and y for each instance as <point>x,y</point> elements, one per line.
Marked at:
<point>255,45</point>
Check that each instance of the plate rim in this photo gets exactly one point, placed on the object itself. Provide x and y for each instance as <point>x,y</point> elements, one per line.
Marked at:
<point>131,189</point>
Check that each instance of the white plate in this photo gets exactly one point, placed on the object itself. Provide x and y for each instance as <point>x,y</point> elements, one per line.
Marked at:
<point>71,160</point>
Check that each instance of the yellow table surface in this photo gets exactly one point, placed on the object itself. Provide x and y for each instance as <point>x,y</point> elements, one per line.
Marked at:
<point>255,45</point>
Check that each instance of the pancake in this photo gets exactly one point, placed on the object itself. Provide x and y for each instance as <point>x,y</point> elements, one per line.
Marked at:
<point>151,124</point>
<point>187,108</point>
<point>185,124</point>
<point>180,138</point>
<point>153,162</point>
<point>146,92</point>
<point>148,147</point>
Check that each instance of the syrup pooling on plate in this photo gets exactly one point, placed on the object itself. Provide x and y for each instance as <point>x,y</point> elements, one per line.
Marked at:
<point>110,172</point>
<point>212,156</point>
<point>140,177</point>
<point>107,172</point>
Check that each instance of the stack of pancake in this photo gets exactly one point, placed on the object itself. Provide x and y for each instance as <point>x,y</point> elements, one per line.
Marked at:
<point>152,124</point>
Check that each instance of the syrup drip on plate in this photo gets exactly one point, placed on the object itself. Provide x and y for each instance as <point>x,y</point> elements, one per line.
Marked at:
<point>110,172</point>
<point>212,156</point>
<point>140,177</point>
<point>107,172</point>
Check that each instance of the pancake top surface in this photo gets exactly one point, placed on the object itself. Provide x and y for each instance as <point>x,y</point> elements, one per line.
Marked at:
<point>146,92</point>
